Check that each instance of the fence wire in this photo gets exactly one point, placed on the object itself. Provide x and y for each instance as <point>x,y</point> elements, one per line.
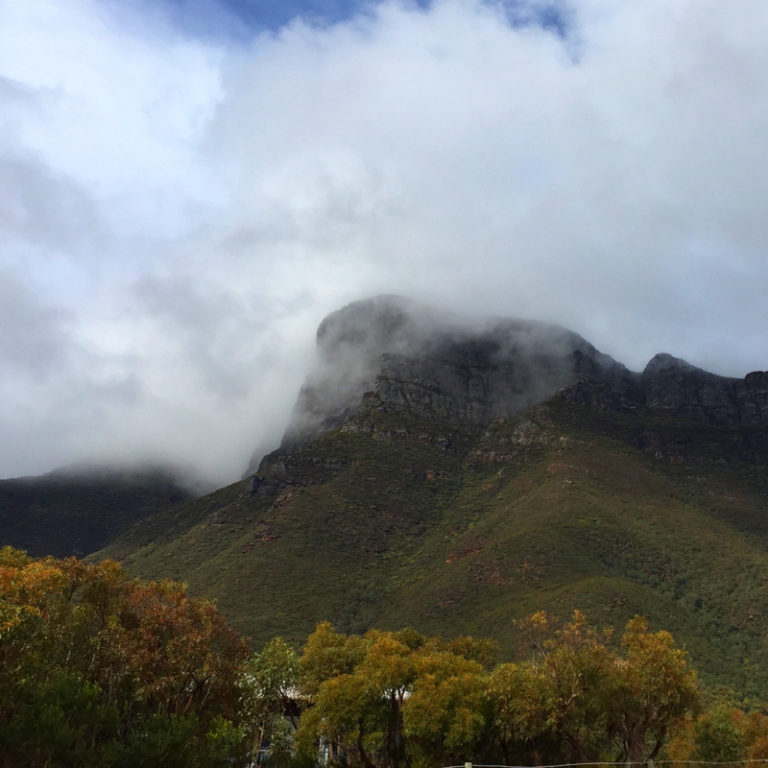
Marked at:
<point>646,763</point>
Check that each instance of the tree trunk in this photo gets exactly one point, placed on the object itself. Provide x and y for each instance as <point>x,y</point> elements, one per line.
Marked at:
<point>367,762</point>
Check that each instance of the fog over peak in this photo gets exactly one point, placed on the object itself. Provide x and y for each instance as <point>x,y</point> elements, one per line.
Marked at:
<point>467,369</point>
<point>183,203</point>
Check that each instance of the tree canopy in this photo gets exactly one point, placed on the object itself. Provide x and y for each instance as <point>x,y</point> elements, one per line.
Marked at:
<point>99,669</point>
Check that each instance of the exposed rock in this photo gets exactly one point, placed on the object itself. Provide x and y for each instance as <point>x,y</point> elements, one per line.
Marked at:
<point>393,354</point>
<point>256,482</point>
<point>671,384</point>
<point>436,365</point>
<point>350,343</point>
<point>256,456</point>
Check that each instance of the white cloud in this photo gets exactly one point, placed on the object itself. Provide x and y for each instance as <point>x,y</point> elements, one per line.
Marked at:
<point>179,213</point>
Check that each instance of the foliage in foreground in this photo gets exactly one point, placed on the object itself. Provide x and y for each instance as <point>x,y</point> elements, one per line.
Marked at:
<point>390,699</point>
<point>97,669</point>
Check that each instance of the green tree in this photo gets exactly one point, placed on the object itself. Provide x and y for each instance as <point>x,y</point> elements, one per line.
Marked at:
<point>387,699</point>
<point>388,666</point>
<point>582,699</point>
<point>327,654</point>
<point>519,714</point>
<point>443,718</point>
<point>574,677</point>
<point>269,689</point>
<point>653,691</point>
<point>719,737</point>
<point>96,667</point>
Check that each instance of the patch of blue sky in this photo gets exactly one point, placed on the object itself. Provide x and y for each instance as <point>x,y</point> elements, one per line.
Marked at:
<point>553,16</point>
<point>244,18</point>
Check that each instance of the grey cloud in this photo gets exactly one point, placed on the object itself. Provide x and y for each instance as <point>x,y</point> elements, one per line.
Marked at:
<point>216,334</point>
<point>58,396</point>
<point>35,340</point>
<point>608,180</point>
<point>39,208</point>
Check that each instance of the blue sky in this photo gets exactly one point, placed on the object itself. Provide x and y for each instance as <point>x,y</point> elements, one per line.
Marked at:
<point>239,20</point>
<point>241,17</point>
<point>186,190</point>
<point>260,15</point>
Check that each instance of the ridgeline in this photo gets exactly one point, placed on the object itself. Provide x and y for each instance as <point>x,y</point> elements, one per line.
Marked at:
<point>456,477</point>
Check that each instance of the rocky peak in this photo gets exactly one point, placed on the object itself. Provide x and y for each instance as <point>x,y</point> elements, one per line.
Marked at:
<point>392,353</point>
<point>664,362</point>
<point>409,357</point>
<point>381,324</point>
<point>350,345</point>
<point>674,385</point>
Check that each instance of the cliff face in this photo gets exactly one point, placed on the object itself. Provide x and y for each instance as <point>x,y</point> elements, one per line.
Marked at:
<point>407,357</point>
<point>672,385</point>
<point>390,353</point>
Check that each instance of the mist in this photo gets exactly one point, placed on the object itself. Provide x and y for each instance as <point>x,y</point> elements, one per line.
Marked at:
<point>182,204</point>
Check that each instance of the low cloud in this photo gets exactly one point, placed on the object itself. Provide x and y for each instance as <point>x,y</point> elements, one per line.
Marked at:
<point>181,208</point>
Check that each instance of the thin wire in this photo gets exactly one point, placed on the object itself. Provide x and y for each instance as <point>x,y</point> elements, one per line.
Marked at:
<point>620,762</point>
<point>558,765</point>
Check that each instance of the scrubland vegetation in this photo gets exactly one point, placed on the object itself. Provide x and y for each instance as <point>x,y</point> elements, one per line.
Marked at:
<point>99,669</point>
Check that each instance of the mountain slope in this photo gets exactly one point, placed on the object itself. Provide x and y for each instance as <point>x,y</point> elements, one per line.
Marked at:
<point>468,480</point>
<point>77,511</point>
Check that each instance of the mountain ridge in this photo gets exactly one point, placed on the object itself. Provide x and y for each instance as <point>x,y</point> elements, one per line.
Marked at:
<point>477,369</point>
<point>411,501</point>
<point>78,509</point>
<point>409,356</point>
<point>458,476</point>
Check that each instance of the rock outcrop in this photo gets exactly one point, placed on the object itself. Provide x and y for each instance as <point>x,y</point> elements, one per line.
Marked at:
<point>672,385</point>
<point>389,352</point>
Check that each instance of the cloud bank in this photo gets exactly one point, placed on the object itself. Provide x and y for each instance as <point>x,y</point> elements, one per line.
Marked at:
<point>179,210</point>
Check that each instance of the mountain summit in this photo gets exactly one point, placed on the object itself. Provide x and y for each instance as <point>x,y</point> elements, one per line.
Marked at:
<point>393,353</point>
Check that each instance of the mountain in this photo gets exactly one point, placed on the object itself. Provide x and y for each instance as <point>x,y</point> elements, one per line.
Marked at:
<point>78,510</point>
<point>458,475</point>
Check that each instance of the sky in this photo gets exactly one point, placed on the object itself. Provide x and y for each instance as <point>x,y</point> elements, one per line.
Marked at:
<point>187,187</point>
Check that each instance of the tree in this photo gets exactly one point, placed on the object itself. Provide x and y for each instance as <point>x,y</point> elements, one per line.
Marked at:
<point>573,677</point>
<point>719,737</point>
<point>654,689</point>
<point>269,689</point>
<point>347,712</point>
<point>443,717</point>
<point>386,699</point>
<point>119,671</point>
<point>327,654</point>
<point>581,699</point>
<point>388,666</point>
<point>519,715</point>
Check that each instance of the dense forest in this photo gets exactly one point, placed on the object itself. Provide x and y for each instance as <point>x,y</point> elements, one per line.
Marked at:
<point>100,669</point>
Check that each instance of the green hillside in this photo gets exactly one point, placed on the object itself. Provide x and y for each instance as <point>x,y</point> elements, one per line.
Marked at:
<point>77,511</point>
<point>395,520</point>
